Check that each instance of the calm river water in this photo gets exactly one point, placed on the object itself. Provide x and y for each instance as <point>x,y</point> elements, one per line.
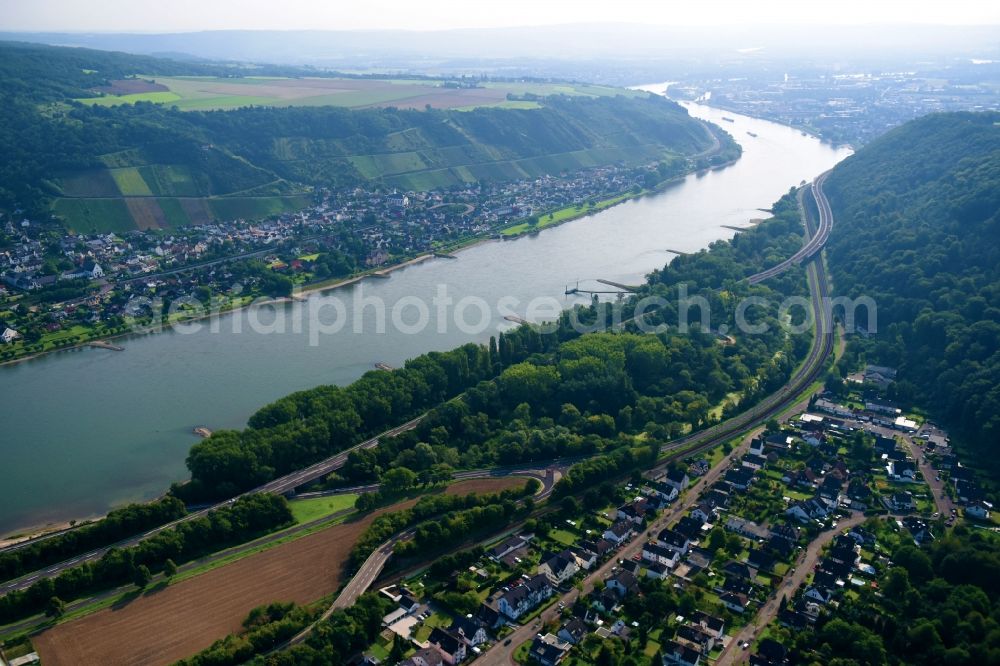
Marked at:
<point>85,430</point>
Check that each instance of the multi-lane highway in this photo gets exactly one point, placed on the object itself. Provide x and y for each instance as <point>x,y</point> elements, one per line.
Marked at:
<point>805,375</point>
<point>814,244</point>
<point>278,486</point>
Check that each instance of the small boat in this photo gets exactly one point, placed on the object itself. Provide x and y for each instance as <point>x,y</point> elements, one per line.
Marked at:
<point>728,120</point>
<point>752,134</point>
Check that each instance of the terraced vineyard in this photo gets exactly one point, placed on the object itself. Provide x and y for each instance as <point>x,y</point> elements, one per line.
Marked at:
<point>175,159</point>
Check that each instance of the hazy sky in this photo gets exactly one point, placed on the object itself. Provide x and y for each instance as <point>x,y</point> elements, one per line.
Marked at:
<point>186,15</point>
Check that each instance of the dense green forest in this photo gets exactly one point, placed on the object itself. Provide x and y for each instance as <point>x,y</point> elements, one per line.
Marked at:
<point>62,155</point>
<point>918,230</point>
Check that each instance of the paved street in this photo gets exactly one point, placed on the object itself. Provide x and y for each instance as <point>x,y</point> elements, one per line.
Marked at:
<point>806,562</point>
<point>502,653</point>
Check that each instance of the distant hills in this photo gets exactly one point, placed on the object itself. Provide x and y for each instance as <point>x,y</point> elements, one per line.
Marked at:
<point>435,50</point>
<point>145,164</point>
<point>918,230</point>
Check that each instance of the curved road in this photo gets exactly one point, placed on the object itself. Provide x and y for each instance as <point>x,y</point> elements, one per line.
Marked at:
<point>814,245</point>
<point>278,486</point>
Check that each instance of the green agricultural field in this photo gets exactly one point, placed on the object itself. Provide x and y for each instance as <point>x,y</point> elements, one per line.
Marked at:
<point>130,182</point>
<point>308,510</point>
<point>169,180</point>
<point>174,213</point>
<point>95,215</point>
<point>191,93</point>
<point>93,183</point>
<point>114,100</point>
<point>252,208</point>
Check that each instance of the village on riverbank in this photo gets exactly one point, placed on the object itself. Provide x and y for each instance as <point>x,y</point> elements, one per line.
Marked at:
<point>63,289</point>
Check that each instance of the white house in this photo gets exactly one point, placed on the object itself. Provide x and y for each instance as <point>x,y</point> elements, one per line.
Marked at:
<point>677,478</point>
<point>618,532</point>
<point>520,599</point>
<point>470,630</point>
<point>8,334</point>
<point>666,556</point>
<point>667,492</point>
<point>674,540</point>
<point>560,567</point>
<point>676,654</point>
<point>734,602</point>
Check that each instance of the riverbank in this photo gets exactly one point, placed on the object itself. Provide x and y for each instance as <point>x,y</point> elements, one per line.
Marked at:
<point>523,229</point>
<point>133,432</point>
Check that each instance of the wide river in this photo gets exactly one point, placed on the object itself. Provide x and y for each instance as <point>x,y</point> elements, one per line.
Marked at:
<point>88,429</point>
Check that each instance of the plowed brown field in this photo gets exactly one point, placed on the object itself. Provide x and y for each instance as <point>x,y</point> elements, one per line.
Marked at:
<point>163,626</point>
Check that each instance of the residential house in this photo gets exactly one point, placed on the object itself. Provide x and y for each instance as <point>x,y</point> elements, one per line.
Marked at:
<point>618,532</point>
<point>522,598</point>
<point>714,625</point>
<point>880,375</point>
<point>689,527</point>
<point>657,570</point>
<point>631,566</point>
<point>769,653</point>
<point>677,654</point>
<point>623,583</point>
<point>901,503</point>
<point>489,614</point>
<point>8,334</point>
<point>811,509</point>
<point>717,497</point>
<point>662,490</point>
<point>451,646</point>
<point>573,631</point>
<point>736,585</point>
<point>560,567</point>
<point>820,594</point>
<point>782,546</point>
<point>703,511</point>
<point>760,560</point>
<point>677,478</point>
<point>736,569</point>
<point>696,637</point>
<point>634,512</point>
<point>734,602</point>
<point>470,630</point>
<point>89,271</point>
<point>778,442</point>
<point>549,650</point>
<point>508,546</point>
<point>832,484</point>
<point>739,479</point>
<point>979,509</point>
<point>699,558</point>
<point>754,461</point>
<point>828,407</point>
<point>669,538</point>
<point>747,528</point>
<point>429,656</point>
<point>651,552</point>
<point>585,558</point>
<point>599,547</point>
<point>757,446</point>
<point>902,470</point>
<point>604,600</point>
